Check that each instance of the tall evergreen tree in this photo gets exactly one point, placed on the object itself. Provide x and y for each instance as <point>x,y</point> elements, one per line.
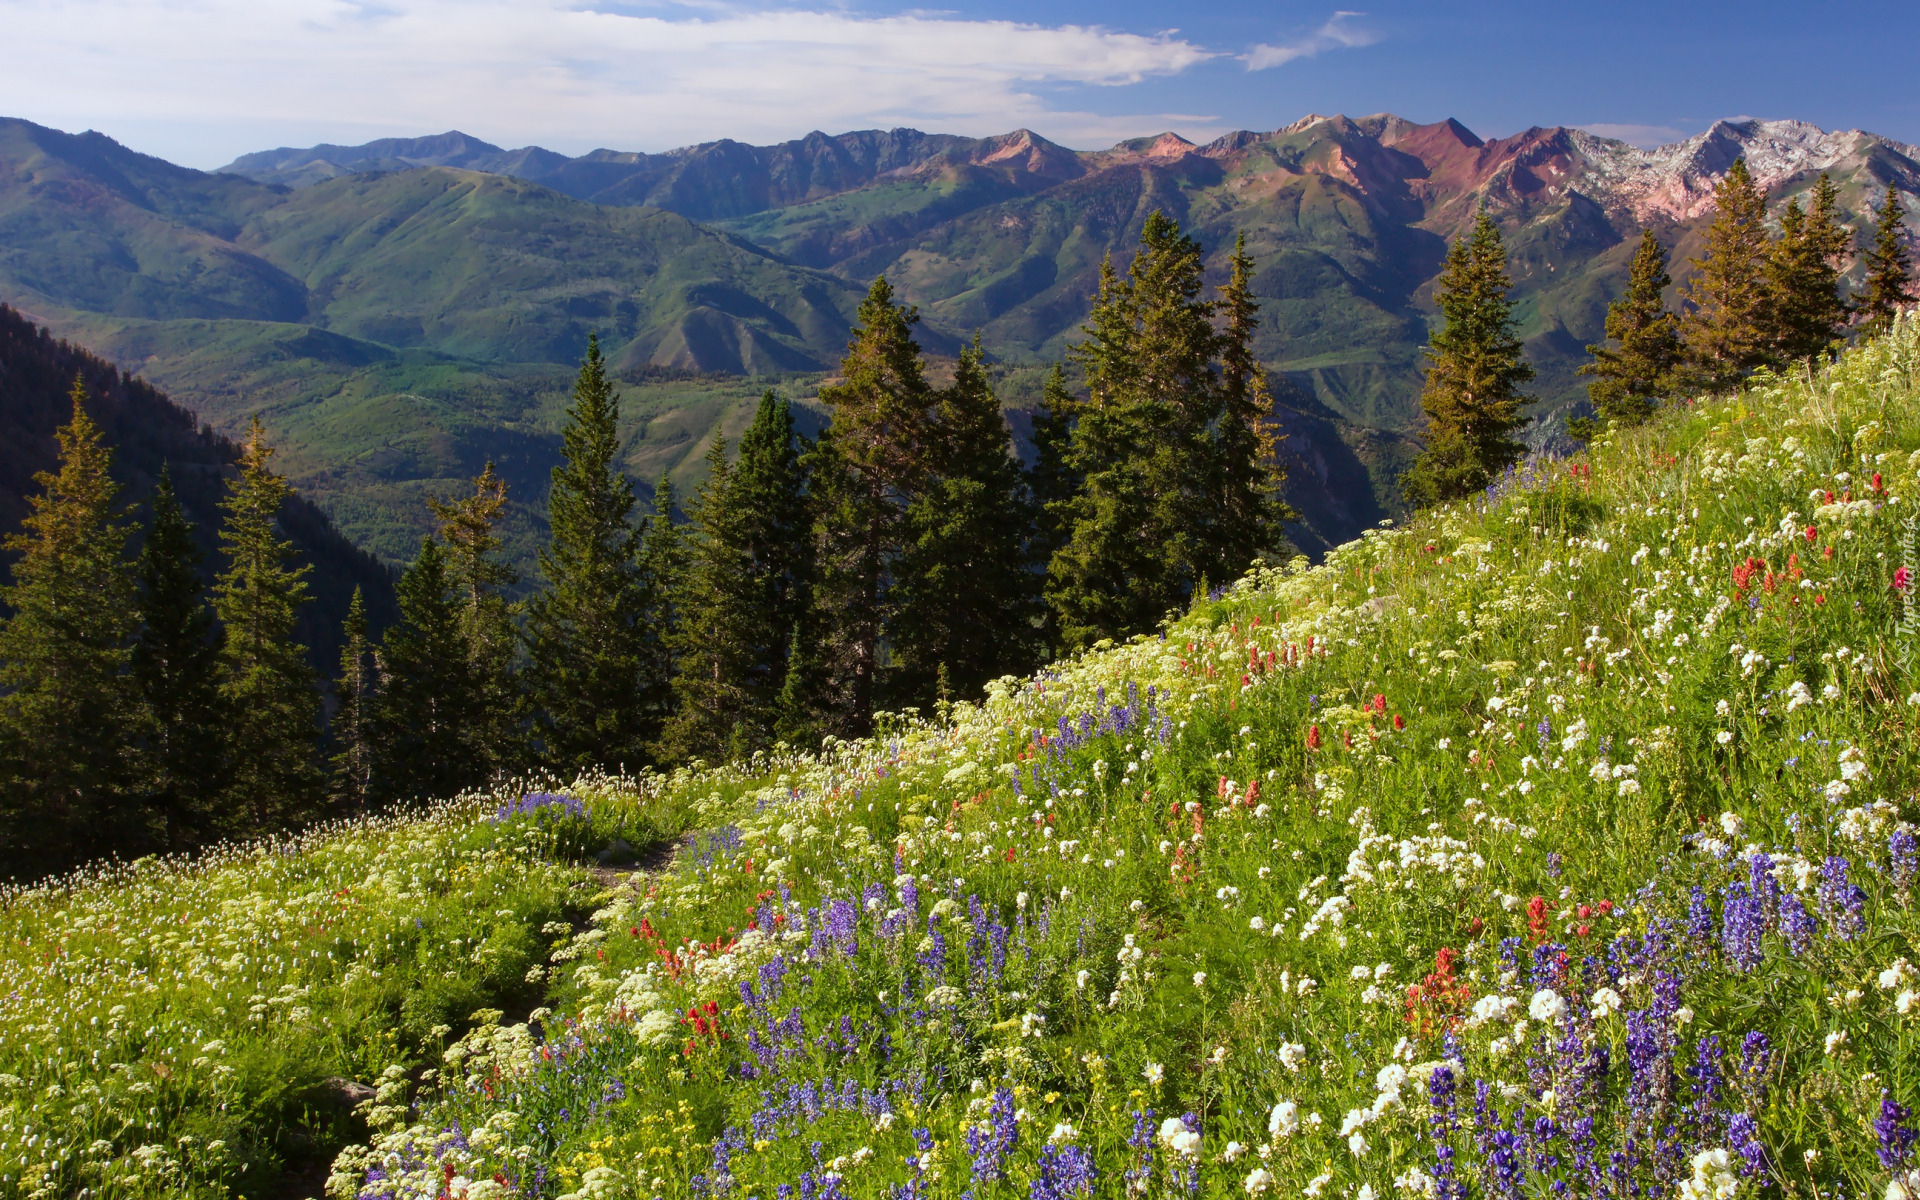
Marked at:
<point>68,706</point>
<point>1889,283</point>
<point>721,616</point>
<point>744,597</point>
<point>1053,483</point>
<point>664,562</point>
<point>1632,380</point>
<point>176,667</point>
<point>424,712</point>
<point>1725,325</point>
<point>266,686</point>
<point>356,692</point>
<point>865,469</point>
<point>1475,369</point>
<point>1805,315</point>
<point>1145,526</point>
<point>584,631</point>
<point>468,530</point>
<point>967,597</point>
<point>1247,448</point>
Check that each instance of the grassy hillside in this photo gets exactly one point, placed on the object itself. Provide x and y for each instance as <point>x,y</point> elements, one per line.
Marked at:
<point>1557,842</point>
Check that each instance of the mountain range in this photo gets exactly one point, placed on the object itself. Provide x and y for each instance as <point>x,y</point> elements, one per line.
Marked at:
<point>402,310</point>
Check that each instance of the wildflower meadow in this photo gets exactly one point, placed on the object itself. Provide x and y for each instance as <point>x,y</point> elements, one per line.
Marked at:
<point>1555,843</point>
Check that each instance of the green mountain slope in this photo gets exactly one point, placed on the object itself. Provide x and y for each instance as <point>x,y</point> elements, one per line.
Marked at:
<point>1559,843</point>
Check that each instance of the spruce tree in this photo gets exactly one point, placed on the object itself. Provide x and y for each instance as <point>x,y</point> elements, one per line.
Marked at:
<point>1052,483</point>
<point>663,564</point>
<point>584,631</point>
<point>1805,314</point>
<point>68,706</point>
<point>1889,284</point>
<point>266,687</point>
<point>1475,368</point>
<point>356,691</point>
<point>721,614</point>
<point>770,487</point>
<point>1725,325</point>
<point>866,468</point>
<point>1247,447</point>
<point>423,716</point>
<point>468,531</point>
<point>966,597</point>
<point>176,667</point>
<point>1633,379</point>
<point>1146,527</point>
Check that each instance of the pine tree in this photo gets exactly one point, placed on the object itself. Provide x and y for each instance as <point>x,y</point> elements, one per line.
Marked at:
<point>1725,325</point>
<point>770,487</point>
<point>467,527</point>
<point>663,565</point>
<point>1889,283</point>
<point>1632,380</point>
<point>68,706</point>
<point>1475,368</point>
<point>356,691</point>
<point>1146,528</point>
<point>965,601</point>
<point>796,719</point>
<point>422,717</point>
<point>1052,483</point>
<point>866,468</point>
<point>1247,448</point>
<point>1805,315</point>
<point>176,667</point>
<point>584,631</point>
<point>720,612</point>
<point>266,688</point>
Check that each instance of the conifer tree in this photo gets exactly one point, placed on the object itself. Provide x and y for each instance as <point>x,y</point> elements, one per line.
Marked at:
<point>1805,314</point>
<point>1475,369</point>
<point>176,667</point>
<point>663,563</point>
<point>584,631</point>
<point>1052,483</point>
<point>1247,448</point>
<point>796,719</point>
<point>1889,284</point>
<point>356,692</point>
<point>468,530</point>
<point>1725,325</point>
<point>423,714</point>
<point>866,468</point>
<point>744,595</point>
<point>720,614</point>
<point>1145,526</point>
<point>68,706</point>
<point>966,598</point>
<point>266,686</point>
<point>1632,380</point>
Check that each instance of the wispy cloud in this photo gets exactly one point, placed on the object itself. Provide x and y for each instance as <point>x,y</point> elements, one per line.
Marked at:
<point>1339,33</point>
<point>1646,137</point>
<point>571,77</point>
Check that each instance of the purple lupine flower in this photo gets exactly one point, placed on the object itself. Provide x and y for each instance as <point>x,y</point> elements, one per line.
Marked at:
<point>1064,1172</point>
<point>1904,857</point>
<point>990,1140</point>
<point>1797,924</point>
<point>1743,1137</point>
<point>1742,921</point>
<point>1707,1085</point>
<point>1553,863</point>
<point>1700,919</point>
<point>1141,1141</point>
<point>1756,1056</point>
<point>1896,1136</point>
<point>1546,733</point>
<point>1841,901</point>
<point>1763,886</point>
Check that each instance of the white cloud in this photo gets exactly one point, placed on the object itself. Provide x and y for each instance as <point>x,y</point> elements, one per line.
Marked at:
<point>1646,137</point>
<point>572,78</point>
<point>1339,33</point>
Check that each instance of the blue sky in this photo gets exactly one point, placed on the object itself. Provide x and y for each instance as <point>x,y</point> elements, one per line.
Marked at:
<point>201,81</point>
